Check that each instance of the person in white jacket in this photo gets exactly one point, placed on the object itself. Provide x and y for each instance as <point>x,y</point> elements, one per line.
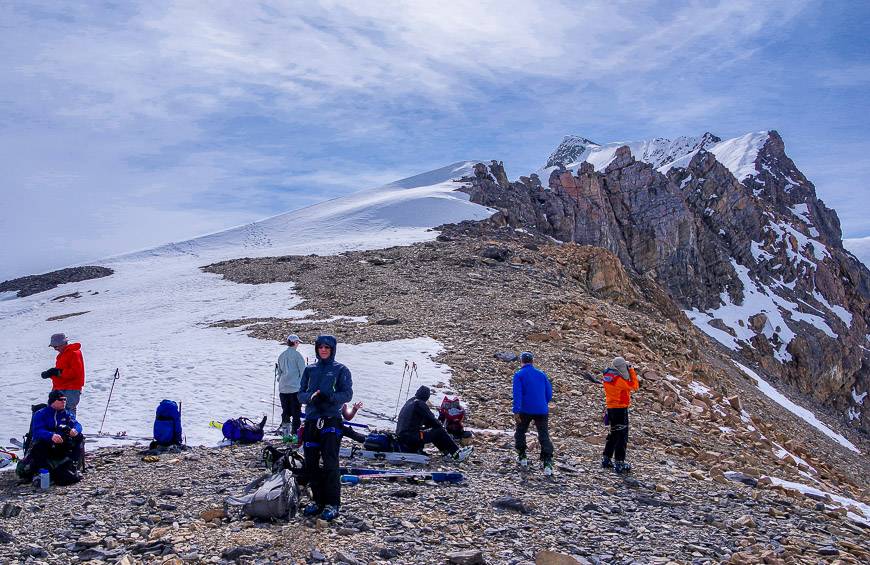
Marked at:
<point>290,367</point>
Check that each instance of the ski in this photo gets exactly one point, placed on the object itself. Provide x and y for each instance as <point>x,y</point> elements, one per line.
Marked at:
<point>7,458</point>
<point>117,435</point>
<point>389,456</point>
<point>436,476</point>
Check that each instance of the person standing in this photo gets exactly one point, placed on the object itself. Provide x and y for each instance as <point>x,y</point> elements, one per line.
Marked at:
<point>532,394</point>
<point>620,381</point>
<point>326,386</point>
<point>68,373</point>
<point>291,365</point>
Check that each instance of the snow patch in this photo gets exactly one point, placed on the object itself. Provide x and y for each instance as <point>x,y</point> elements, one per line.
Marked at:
<point>739,154</point>
<point>798,411</point>
<point>844,501</point>
<point>858,398</point>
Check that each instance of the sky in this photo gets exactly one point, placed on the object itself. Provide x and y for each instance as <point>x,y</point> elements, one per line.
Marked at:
<point>124,125</point>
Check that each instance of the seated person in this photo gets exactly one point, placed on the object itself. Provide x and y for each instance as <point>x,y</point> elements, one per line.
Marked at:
<point>348,414</point>
<point>57,442</point>
<point>417,426</point>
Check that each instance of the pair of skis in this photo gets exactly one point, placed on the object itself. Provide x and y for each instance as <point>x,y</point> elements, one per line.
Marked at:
<point>389,456</point>
<point>358,475</point>
<point>7,458</point>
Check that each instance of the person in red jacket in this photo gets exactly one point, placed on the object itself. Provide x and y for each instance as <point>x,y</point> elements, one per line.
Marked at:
<point>619,382</point>
<point>68,374</point>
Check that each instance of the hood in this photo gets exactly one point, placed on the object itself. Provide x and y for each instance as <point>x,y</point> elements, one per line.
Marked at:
<point>423,393</point>
<point>331,342</point>
<point>620,365</point>
<point>71,347</point>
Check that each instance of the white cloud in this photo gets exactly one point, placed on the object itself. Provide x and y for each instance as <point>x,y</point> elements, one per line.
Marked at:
<point>144,109</point>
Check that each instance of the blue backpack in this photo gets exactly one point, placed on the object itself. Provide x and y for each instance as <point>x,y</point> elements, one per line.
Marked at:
<point>242,430</point>
<point>167,424</point>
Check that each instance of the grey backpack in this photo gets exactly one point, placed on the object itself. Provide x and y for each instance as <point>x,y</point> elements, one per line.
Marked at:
<point>276,498</point>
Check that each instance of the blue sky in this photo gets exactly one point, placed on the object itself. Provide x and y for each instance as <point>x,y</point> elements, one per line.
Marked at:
<point>125,125</point>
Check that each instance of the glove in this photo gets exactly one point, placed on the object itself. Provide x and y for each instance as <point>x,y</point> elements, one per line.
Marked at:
<point>53,372</point>
<point>325,397</point>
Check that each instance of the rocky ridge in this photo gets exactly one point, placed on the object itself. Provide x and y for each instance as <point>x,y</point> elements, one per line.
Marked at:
<point>757,264</point>
<point>33,284</point>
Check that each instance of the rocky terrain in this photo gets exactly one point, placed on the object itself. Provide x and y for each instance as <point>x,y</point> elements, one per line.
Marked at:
<point>484,290</point>
<point>758,260</point>
<point>32,284</point>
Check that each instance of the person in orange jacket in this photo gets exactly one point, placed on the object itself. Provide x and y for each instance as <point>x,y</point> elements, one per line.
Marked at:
<point>619,382</point>
<point>68,374</point>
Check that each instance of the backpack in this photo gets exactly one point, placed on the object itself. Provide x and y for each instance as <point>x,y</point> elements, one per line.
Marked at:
<point>450,414</point>
<point>381,441</point>
<point>288,459</point>
<point>276,498</point>
<point>167,424</point>
<point>242,430</point>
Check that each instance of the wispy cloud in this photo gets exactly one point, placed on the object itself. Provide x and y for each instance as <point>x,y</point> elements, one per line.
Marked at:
<point>245,109</point>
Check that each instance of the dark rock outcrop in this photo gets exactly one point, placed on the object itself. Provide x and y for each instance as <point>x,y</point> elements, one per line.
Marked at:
<point>32,284</point>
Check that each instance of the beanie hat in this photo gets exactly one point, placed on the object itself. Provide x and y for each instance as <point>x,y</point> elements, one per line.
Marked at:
<point>55,395</point>
<point>423,393</point>
<point>526,357</point>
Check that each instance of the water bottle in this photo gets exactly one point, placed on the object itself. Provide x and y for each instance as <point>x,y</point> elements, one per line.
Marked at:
<point>44,479</point>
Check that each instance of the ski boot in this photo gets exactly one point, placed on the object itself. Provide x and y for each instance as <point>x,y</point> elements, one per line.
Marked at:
<point>329,513</point>
<point>548,468</point>
<point>522,460</point>
<point>606,463</point>
<point>313,509</point>
<point>622,467</point>
<point>463,453</point>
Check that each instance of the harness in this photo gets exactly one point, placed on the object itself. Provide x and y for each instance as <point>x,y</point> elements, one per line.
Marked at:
<point>330,430</point>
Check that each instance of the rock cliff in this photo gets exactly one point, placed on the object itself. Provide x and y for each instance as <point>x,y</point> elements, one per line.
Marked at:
<point>734,232</point>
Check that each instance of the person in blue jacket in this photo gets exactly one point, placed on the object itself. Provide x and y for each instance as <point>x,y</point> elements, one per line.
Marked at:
<point>326,386</point>
<point>532,394</point>
<point>55,434</point>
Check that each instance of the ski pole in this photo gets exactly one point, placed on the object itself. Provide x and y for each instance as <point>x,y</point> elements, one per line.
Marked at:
<point>115,377</point>
<point>411,374</point>
<point>274,383</point>
<point>401,386</point>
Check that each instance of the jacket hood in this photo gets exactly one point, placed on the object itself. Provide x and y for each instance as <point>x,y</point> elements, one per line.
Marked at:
<point>72,347</point>
<point>423,393</point>
<point>620,365</point>
<point>331,342</point>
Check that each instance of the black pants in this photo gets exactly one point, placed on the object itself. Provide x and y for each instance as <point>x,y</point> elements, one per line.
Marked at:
<point>351,433</point>
<point>323,444</point>
<point>57,457</point>
<point>541,423</point>
<point>617,439</point>
<point>291,410</point>
<point>437,436</point>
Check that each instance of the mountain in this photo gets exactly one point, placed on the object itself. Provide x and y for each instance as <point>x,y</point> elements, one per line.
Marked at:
<point>860,247</point>
<point>735,233</point>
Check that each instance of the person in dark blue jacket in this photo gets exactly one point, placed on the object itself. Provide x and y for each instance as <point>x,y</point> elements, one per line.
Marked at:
<point>532,394</point>
<point>326,386</point>
<point>55,435</point>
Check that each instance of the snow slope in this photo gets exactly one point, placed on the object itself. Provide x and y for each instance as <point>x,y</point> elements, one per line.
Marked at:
<point>151,317</point>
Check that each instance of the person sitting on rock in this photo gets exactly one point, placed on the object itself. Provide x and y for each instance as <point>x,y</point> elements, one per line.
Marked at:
<point>57,441</point>
<point>532,393</point>
<point>620,381</point>
<point>417,426</point>
<point>348,413</point>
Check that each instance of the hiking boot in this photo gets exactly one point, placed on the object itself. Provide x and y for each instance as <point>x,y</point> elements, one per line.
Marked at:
<point>606,463</point>
<point>548,468</point>
<point>313,509</point>
<point>622,467</point>
<point>329,513</point>
<point>463,453</point>
<point>522,460</point>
